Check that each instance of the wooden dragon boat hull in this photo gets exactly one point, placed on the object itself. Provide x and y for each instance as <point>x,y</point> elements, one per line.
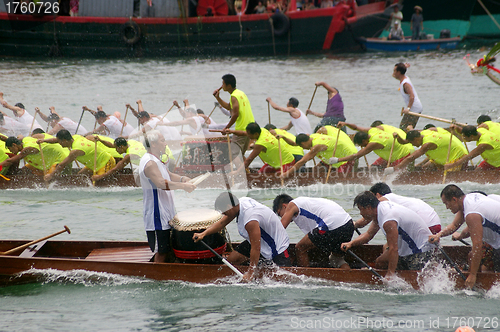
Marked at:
<point>258,180</point>
<point>133,259</point>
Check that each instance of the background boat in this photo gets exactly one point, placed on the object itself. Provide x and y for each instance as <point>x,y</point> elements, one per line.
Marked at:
<point>382,44</point>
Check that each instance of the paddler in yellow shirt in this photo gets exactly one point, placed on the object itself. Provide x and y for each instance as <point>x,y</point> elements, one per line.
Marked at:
<point>3,155</point>
<point>83,151</point>
<point>487,145</point>
<point>434,145</point>
<point>297,151</point>
<point>29,150</point>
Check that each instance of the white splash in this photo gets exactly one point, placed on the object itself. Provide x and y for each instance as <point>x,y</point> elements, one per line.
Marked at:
<point>436,278</point>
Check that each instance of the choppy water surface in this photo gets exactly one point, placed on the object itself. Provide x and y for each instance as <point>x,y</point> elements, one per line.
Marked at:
<point>79,300</point>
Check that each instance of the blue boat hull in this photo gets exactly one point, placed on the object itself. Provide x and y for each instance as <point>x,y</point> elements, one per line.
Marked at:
<point>376,44</point>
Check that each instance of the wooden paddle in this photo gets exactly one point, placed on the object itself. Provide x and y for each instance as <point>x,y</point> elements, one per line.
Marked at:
<point>163,117</point>
<point>230,157</point>
<point>448,155</point>
<point>95,160</point>
<point>24,246</point>
<point>390,157</point>
<point>433,118</point>
<point>231,266</point>
<point>213,109</point>
<point>43,159</point>
<point>281,163</point>
<point>334,150</point>
<point>312,98</point>
<point>33,122</point>
<point>80,121</point>
<point>366,264</point>
<point>269,111</point>
<point>124,118</point>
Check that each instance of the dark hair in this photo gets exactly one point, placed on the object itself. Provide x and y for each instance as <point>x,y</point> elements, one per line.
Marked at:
<point>269,126</point>
<point>63,134</point>
<point>483,118</point>
<point>120,141</point>
<point>100,114</point>
<point>229,79</point>
<point>53,116</point>
<point>380,188</point>
<point>401,67</point>
<point>1,116</point>
<point>366,199</point>
<point>469,131</point>
<point>429,125</point>
<point>225,200</point>
<point>376,123</point>
<point>294,102</point>
<point>143,114</point>
<point>478,192</point>
<point>37,131</point>
<point>20,106</point>
<point>253,128</point>
<point>11,140</point>
<point>451,191</point>
<point>301,138</point>
<point>199,111</point>
<point>280,200</point>
<point>412,134</point>
<point>360,137</point>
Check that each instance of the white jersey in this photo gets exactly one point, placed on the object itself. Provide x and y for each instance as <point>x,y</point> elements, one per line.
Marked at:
<point>413,232</point>
<point>319,213</point>
<point>12,127</point>
<point>158,204</point>
<point>169,133</point>
<point>274,239</point>
<point>424,210</point>
<point>114,127</point>
<point>489,209</point>
<point>495,197</point>
<point>301,124</point>
<point>417,105</point>
<point>71,125</point>
<point>199,121</point>
<point>27,120</point>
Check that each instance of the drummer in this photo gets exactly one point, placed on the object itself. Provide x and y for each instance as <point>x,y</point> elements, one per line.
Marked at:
<point>157,184</point>
<point>325,223</point>
<point>265,237</point>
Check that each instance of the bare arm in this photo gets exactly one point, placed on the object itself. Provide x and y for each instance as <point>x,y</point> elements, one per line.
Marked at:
<point>253,230</point>
<point>364,151</point>
<point>24,152</point>
<point>119,166</point>
<point>363,238</point>
<point>474,222</point>
<point>291,211</point>
<point>415,154</point>
<point>391,255</point>
<point>153,173</point>
<point>474,153</point>
<point>340,124</point>
<point>288,126</point>
<point>308,156</point>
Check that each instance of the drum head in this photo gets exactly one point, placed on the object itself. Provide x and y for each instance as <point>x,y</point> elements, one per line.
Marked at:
<point>195,219</point>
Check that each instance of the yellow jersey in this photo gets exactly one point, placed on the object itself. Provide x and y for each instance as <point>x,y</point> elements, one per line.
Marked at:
<point>271,155</point>
<point>245,115</point>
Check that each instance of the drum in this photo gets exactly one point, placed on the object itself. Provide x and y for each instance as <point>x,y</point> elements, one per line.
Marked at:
<point>185,224</point>
<point>202,154</point>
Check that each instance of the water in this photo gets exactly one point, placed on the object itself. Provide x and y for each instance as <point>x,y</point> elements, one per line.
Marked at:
<point>87,301</point>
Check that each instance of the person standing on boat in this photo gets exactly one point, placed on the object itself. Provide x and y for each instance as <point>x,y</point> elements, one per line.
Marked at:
<point>379,141</point>
<point>417,23</point>
<point>57,123</point>
<point>334,108</point>
<point>297,118</point>
<point>241,112</point>
<point>325,223</point>
<point>266,240</point>
<point>409,94</point>
<point>396,16</point>
<point>488,146</point>
<point>482,216</point>
<point>20,114</point>
<point>157,184</point>
<point>435,145</point>
<point>406,233</point>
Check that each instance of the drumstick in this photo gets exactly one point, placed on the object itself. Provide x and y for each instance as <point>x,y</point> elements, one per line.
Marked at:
<point>199,179</point>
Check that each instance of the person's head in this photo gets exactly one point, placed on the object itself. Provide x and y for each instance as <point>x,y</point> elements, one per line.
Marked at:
<point>376,123</point>
<point>417,9</point>
<point>64,138</point>
<point>38,131</point>
<point>189,112</point>
<point>155,140</point>
<point>396,8</point>
<point>361,138</point>
<point>143,117</point>
<point>452,197</point>
<point>483,118</point>
<point>280,203</point>
<point>470,133</point>
<point>53,119</point>
<point>20,105</point>
<point>199,111</point>
<point>269,126</point>
<point>14,144</point>
<point>1,119</point>
<point>253,130</point>
<point>293,102</point>
<point>228,82</point>
<point>228,204</point>
<point>429,125</point>
<point>414,137</point>
<point>396,24</point>
<point>399,70</point>
<point>304,141</point>
<point>380,189</point>
<point>121,145</point>
<point>100,116</point>
<point>367,204</point>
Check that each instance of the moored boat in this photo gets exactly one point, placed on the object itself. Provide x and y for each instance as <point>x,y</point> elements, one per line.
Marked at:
<point>133,259</point>
<point>382,44</point>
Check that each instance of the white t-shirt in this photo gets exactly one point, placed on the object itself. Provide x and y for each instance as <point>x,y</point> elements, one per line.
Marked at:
<point>413,233</point>
<point>424,210</point>
<point>115,127</point>
<point>274,238</point>
<point>319,213</point>
<point>301,124</point>
<point>416,107</point>
<point>12,127</point>
<point>158,204</point>
<point>489,209</point>
<point>169,133</point>
<point>71,125</point>
<point>27,120</point>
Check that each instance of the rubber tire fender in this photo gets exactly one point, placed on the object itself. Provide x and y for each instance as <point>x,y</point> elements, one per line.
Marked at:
<point>281,24</point>
<point>130,32</point>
